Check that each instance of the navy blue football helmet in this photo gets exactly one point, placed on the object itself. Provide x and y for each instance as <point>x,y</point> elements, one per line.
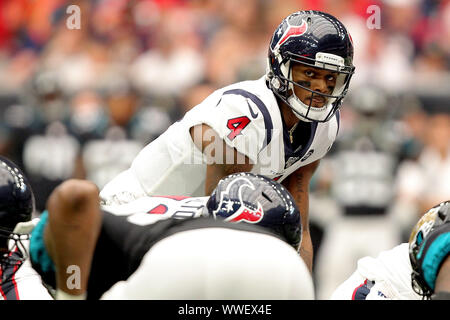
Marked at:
<point>16,201</point>
<point>314,39</point>
<point>255,199</point>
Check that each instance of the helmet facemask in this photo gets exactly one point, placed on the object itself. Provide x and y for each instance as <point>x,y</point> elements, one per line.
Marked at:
<point>10,241</point>
<point>283,85</point>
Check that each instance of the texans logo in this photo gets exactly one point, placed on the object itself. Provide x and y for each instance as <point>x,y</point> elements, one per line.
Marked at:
<point>294,31</point>
<point>232,208</point>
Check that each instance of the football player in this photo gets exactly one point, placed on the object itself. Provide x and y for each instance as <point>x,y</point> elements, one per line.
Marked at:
<point>226,246</point>
<point>411,271</point>
<point>18,281</point>
<point>279,126</point>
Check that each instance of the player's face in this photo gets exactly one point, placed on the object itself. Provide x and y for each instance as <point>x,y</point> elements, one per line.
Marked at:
<point>316,79</point>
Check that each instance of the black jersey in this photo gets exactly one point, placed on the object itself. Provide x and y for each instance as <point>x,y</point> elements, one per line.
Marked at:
<point>122,245</point>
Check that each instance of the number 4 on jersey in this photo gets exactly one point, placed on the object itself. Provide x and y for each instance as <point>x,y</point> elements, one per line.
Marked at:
<point>236,125</point>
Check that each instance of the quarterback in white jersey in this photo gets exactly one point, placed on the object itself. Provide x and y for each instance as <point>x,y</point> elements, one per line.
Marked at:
<point>279,126</point>
<point>246,116</point>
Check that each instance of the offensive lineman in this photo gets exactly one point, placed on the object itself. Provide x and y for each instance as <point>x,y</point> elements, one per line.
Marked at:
<point>162,248</point>
<point>18,281</point>
<point>280,125</point>
<point>410,271</point>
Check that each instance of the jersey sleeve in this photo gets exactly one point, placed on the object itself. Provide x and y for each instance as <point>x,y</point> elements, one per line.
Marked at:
<point>242,120</point>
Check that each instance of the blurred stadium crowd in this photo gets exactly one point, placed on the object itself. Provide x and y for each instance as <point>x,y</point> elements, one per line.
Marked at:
<point>83,102</point>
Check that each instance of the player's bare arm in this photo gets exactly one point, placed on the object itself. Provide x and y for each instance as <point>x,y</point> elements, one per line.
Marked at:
<point>298,185</point>
<point>72,231</point>
<point>218,167</point>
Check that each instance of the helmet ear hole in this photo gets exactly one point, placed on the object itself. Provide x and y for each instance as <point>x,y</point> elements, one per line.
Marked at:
<point>276,83</point>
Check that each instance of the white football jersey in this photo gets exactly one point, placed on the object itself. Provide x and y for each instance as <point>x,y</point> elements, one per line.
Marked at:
<point>388,276</point>
<point>247,117</point>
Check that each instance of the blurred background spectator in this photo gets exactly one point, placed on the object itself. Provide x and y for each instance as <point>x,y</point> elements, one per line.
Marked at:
<point>82,102</point>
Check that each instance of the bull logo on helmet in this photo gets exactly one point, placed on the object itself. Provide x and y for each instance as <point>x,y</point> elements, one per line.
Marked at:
<point>232,207</point>
<point>291,31</point>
